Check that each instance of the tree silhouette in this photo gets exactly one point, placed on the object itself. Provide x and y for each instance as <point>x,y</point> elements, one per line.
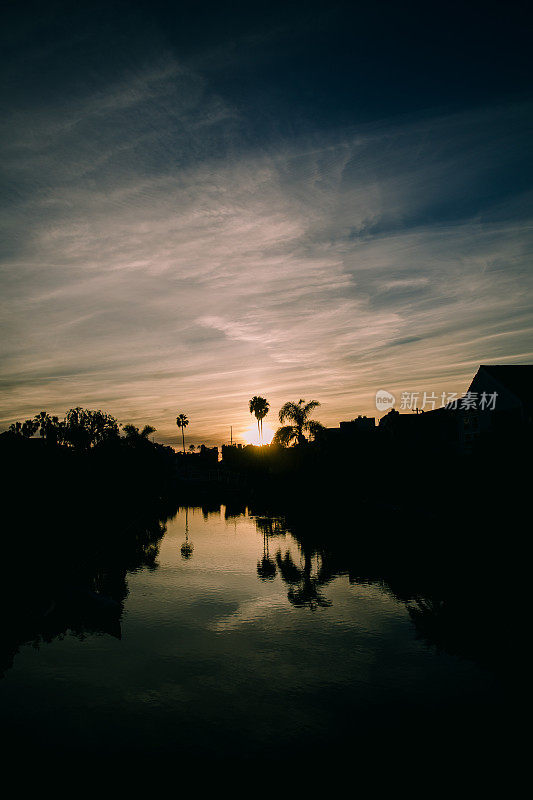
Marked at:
<point>85,428</point>
<point>259,406</point>
<point>24,429</point>
<point>182,421</point>
<point>81,429</point>
<point>42,420</point>
<point>50,428</point>
<point>134,434</point>
<point>298,414</point>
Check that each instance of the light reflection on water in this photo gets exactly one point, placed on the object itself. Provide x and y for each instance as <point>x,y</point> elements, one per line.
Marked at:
<point>235,638</point>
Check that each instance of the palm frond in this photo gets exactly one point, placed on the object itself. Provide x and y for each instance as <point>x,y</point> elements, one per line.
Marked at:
<point>285,435</point>
<point>314,428</point>
<point>288,411</point>
<point>259,406</point>
<point>298,413</point>
<point>310,406</point>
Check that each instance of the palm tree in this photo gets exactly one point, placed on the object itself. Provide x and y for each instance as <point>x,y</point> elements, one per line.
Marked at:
<point>42,420</point>
<point>297,413</point>
<point>259,406</point>
<point>25,429</point>
<point>134,434</point>
<point>49,427</point>
<point>182,422</point>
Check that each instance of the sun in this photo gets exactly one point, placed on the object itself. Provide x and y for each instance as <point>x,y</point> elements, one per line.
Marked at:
<point>251,435</point>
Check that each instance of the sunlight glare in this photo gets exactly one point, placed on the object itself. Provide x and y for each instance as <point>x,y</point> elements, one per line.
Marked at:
<point>251,435</point>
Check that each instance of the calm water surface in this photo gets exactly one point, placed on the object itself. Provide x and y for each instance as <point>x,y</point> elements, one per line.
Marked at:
<point>234,639</point>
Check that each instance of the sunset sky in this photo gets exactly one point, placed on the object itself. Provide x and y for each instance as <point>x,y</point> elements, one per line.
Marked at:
<point>205,202</point>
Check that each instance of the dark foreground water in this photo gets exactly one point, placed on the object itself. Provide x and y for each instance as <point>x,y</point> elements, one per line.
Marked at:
<point>232,637</point>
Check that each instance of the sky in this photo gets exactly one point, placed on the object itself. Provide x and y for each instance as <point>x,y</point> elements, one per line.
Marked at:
<point>317,200</point>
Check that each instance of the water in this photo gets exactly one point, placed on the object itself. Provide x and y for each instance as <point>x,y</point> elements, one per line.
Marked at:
<point>230,638</point>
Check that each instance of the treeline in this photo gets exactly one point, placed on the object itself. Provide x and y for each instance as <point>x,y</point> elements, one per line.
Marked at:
<point>81,429</point>
<point>83,469</point>
<point>84,502</point>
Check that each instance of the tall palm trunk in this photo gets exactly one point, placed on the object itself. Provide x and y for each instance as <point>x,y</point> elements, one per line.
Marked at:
<point>183,437</point>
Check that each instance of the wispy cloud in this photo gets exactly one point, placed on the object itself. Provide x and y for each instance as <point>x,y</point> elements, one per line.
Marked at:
<point>156,262</point>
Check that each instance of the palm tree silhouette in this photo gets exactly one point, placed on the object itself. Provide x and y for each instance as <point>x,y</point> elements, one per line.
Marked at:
<point>182,422</point>
<point>259,406</point>
<point>50,428</point>
<point>298,414</point>
<point>42,419</point>
<point>134,434</point>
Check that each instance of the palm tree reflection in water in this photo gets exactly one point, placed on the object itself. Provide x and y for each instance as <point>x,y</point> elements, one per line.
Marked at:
<point>187,547</point>
<point>304,581</point>
<point>266,568</point>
